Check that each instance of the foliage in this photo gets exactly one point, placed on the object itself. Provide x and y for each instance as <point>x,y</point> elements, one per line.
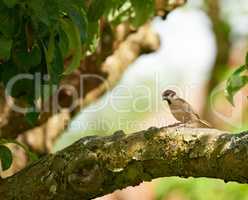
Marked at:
<point>37,36</point>
<point>237,80</point>
<point>6,155</point>
<point>199,189</point>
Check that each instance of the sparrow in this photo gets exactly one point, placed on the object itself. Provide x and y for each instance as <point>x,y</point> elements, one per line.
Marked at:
<point>183,111</point>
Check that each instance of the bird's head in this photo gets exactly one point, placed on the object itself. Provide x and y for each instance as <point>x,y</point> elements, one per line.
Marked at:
<point>168,95</point>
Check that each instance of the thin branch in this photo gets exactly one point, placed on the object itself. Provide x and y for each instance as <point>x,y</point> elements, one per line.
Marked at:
<point>94,166</point>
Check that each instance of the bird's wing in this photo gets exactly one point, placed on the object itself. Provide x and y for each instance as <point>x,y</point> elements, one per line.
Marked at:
<point>204,122</point>
<point>182,111</point>
<point>187,107</point>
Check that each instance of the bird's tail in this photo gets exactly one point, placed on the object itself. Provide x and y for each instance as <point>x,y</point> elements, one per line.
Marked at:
<point>205,124</point>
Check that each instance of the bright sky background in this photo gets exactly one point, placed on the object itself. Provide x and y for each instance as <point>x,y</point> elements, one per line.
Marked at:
<point>185,57</point>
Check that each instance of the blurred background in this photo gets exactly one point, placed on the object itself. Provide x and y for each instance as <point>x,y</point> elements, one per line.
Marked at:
<point>201,44</point>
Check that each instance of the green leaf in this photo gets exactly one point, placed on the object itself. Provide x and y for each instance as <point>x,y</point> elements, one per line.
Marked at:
<point>79,3</point>
<point>5,157</point>
<point>93,37</point>
<point>9,21</point>
<point>235,82</point>
<point>240,70</point>
<point>5,48</point>
<point>8,71</point>
<point>57,66</point>
<point>10,3</point>
<point>31,155</point>
<point>47,91</point>
<point>75,48</point>
<point>50,49</point>
<point>45,11</point>
<point>119,14</point>
<point>96,10</point>
<point>55,62</point>
<point>63,43</point>
<point>143,11</point>
<point>32,117</point>
<point>79,18</point>
<point>23,88</point>
<point>25,60</point>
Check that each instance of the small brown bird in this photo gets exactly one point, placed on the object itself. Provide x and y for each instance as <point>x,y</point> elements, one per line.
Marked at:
<point>183,111</point>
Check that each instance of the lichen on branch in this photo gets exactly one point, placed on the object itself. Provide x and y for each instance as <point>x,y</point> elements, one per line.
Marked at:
<point>94,166</point>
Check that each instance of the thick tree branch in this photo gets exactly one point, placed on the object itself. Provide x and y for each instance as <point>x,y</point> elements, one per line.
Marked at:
<point>94,166</point>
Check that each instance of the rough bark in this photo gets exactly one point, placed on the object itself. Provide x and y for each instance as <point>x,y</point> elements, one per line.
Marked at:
<point>94,166</point>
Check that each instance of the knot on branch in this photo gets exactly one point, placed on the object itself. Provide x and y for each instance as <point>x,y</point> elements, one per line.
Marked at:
<point>85,176</point>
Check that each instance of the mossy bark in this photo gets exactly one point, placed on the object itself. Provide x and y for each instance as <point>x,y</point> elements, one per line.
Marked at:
<point>94,166</point>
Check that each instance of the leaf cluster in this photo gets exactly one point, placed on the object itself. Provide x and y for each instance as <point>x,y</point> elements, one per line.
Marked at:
<point>237,80</point>
<point>37,36</point>
<point>6,157</point>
